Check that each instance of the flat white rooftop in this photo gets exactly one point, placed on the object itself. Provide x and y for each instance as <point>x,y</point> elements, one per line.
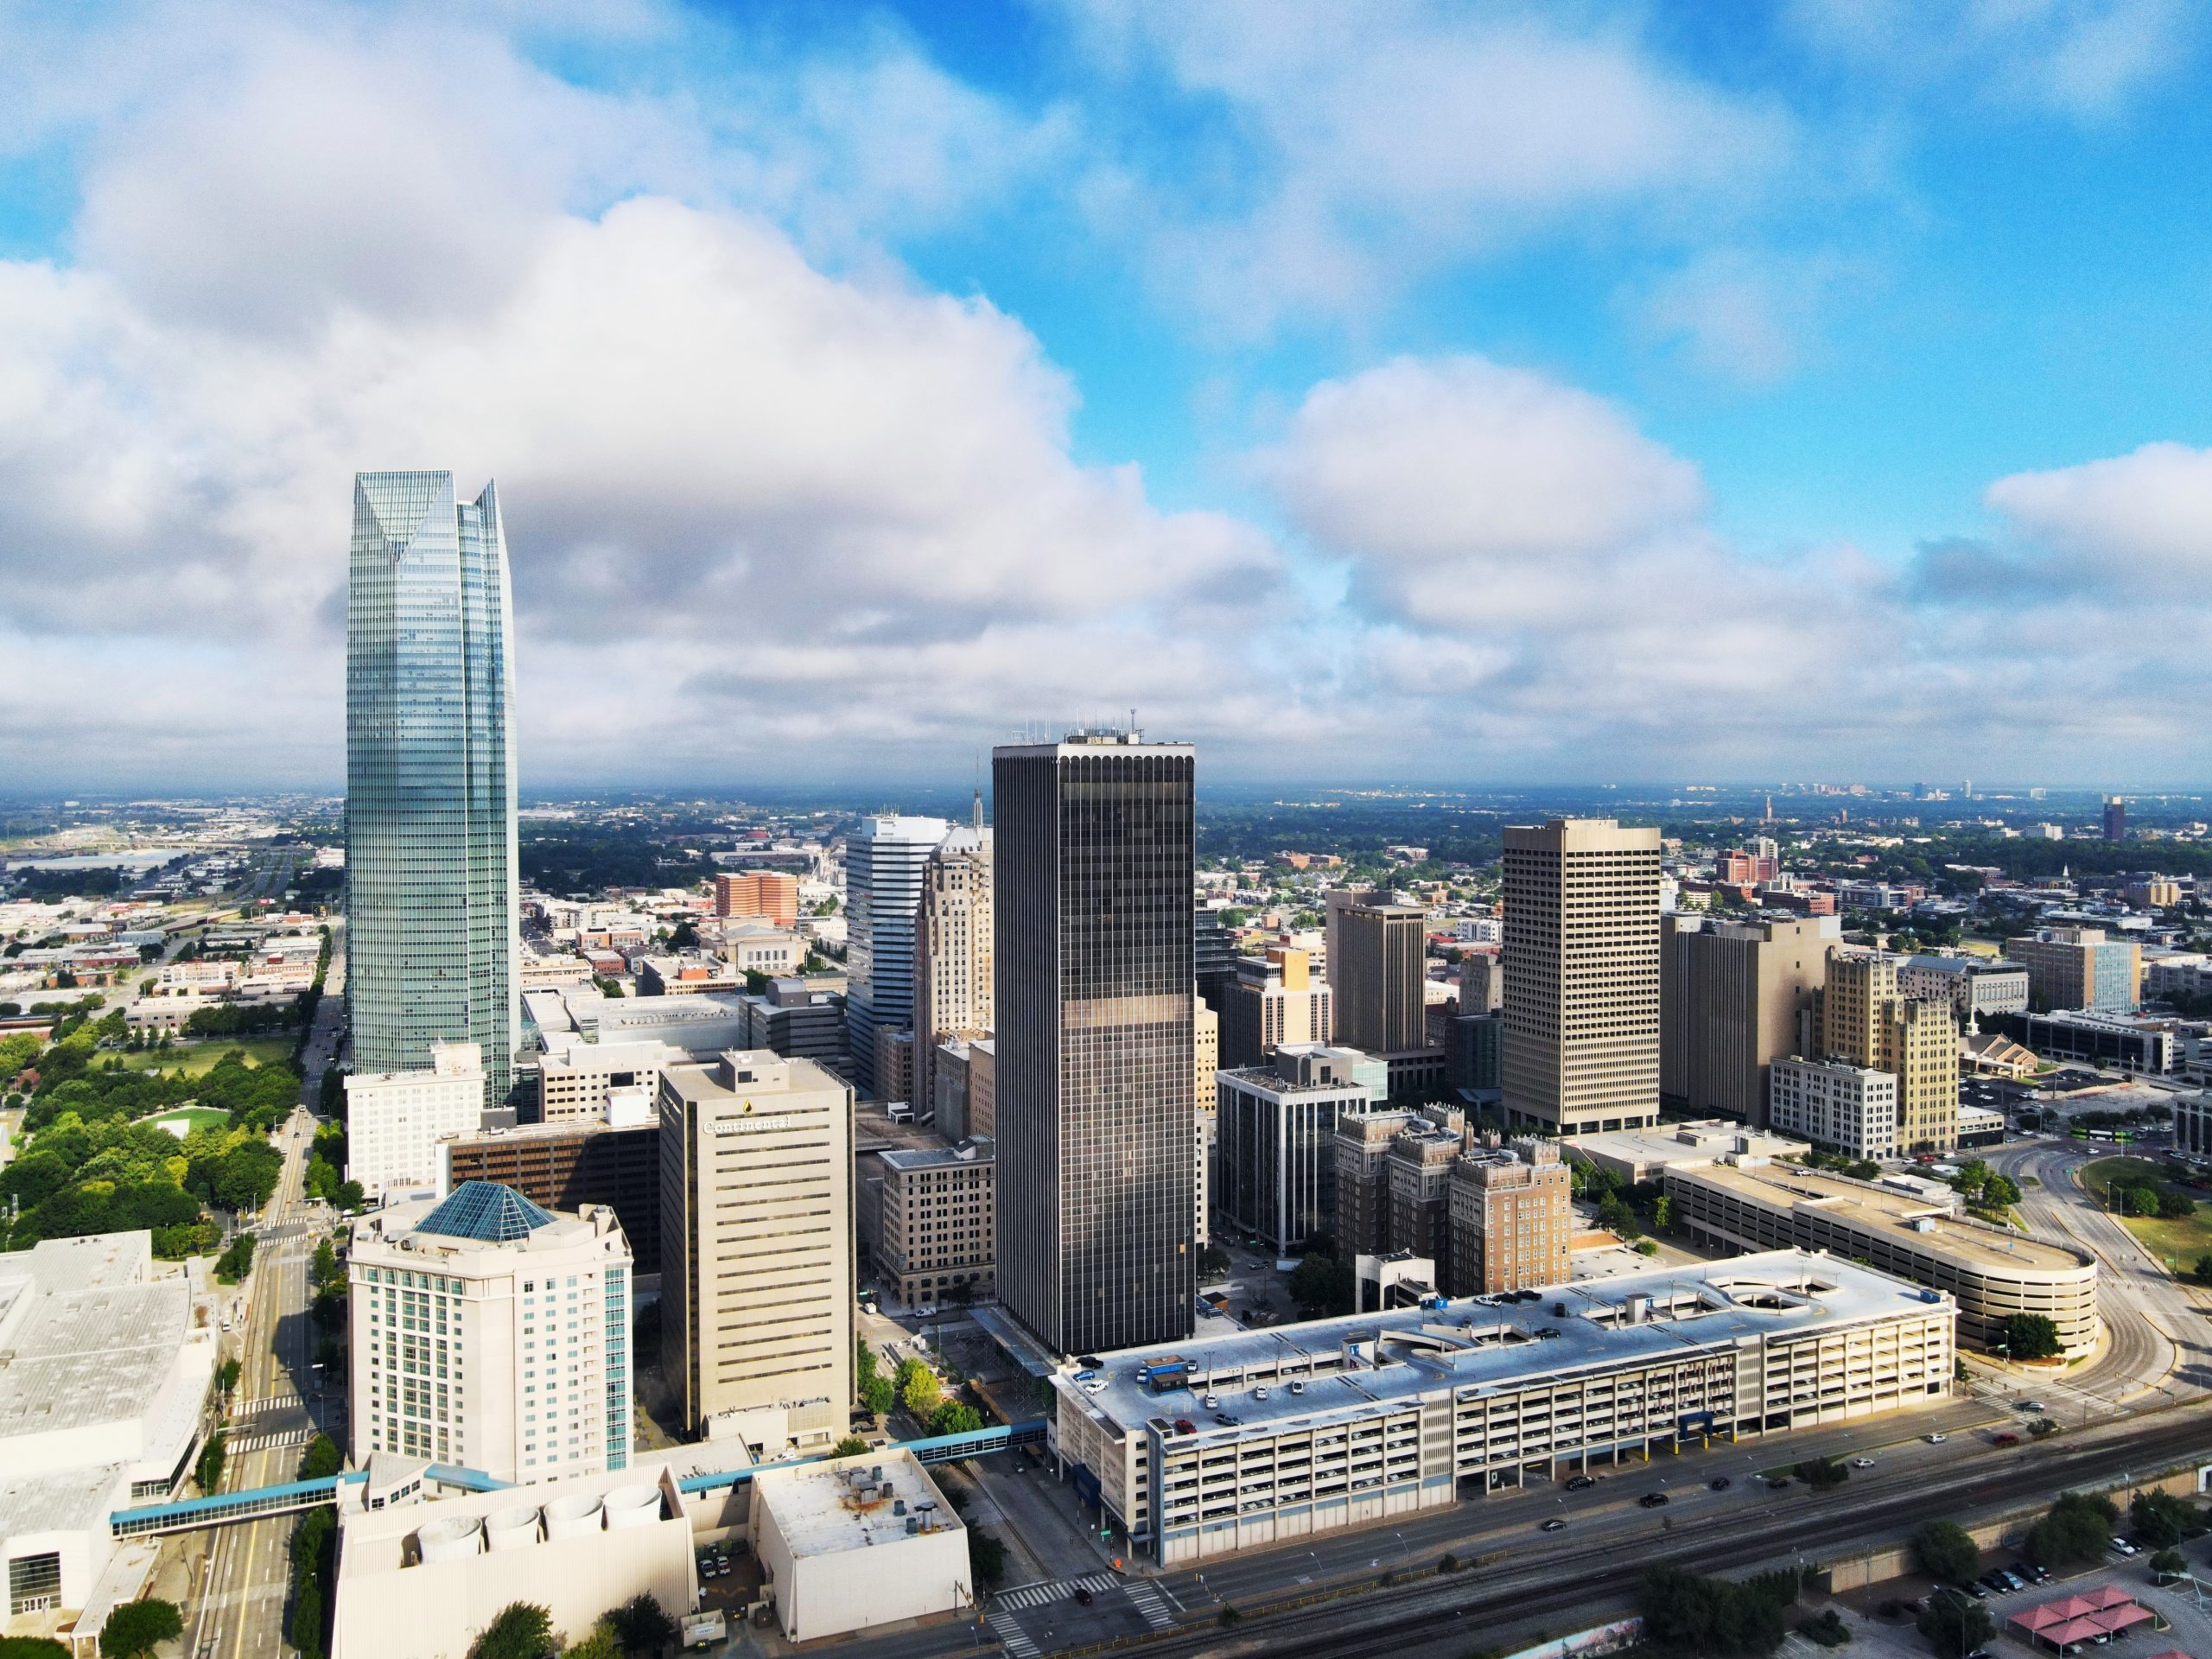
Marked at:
<point>861,1501</point>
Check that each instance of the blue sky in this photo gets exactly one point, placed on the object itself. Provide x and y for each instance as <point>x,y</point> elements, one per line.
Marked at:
<point>1483,393</point>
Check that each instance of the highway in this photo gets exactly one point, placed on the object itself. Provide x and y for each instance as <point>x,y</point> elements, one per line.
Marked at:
<point>240,1611</point>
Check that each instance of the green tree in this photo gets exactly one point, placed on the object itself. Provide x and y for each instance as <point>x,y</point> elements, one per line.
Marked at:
<point>642,1627</point>
<point>851,1447</point>
<point>208,1471</point>
<point>1953,1625</point>
<point>1823,1473</point>
<point>521,1629</point>
<point>1688,1614</point>
<point>1662,1213</point>
<point>1947,1553</point>
<point>600,1644</point>
<point>2176,1206</point>
<point>920,1390</point>
<point>1321,1285</point>
<point>314,1557</point>
<point>31,1647</point>
<point>2030,1336</point>
<point>955,1418</point>
<point>227,1379</point>
<point>986,1557</point>
<point>321,1460</point>
<point>2075,1531</point>
<point>2169,1564</point>
<point>2161,1519</point>
<point>134,1629</point>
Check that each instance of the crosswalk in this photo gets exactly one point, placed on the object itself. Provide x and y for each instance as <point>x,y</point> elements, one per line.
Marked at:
<point>274,1403</point>
<point>1150,1602</point>
<point>1009,1632</point>
<point>1036,1595</point>
<point>264,1442</point>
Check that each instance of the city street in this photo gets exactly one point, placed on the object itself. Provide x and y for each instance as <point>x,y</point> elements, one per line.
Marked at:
<point>247,1570</point>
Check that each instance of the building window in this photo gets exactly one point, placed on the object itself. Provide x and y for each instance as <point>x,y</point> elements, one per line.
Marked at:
<point>33,1582</point>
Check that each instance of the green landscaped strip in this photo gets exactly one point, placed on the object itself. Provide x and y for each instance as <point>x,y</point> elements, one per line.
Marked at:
<point>197,1058</point>
<point>2178,1243</point>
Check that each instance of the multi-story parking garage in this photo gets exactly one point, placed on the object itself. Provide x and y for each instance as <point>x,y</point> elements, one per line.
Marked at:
<point>1991,1274</point>
<point>1252,1440</point>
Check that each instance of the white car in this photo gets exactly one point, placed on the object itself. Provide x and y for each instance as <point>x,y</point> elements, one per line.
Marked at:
<point>1936,1439</point>
<point>1862,1463</point>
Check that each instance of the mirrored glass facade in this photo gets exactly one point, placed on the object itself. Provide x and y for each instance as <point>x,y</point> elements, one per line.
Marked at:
<point>431,921</point>
<point>1095,1068</point>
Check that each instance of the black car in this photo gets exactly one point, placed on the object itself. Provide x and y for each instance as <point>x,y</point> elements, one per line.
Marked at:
<point>1652,1500</point>
<point>1719,1483</point>
<point>1778,1484</point>
<point>1581,1483</point>
<point>1083,1595</point>
<point>1553,1525</point>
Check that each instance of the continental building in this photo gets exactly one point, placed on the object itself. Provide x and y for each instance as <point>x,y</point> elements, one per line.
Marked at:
<point>936,1229</point>
<point>394,1119</point>
<point>1867,1020</point>
<point>1732,997</point>
<point>1350,1422</point>
<point>1094,1071</point>
<point>756,1234</point>
<point>2078,967</point>
<point>1277,1148</point>
<point>1837,1106</point>
<point>1511,1217</point>
<point>489,1333</point>
<point>1274,999</point>
<point>611,1161</point>
<point>952,948</point>
<point>884,860</point>
<point>1581,1048</point>
<point>1377,979</point>
<point>1989,1273</point>
<point>433,931</point>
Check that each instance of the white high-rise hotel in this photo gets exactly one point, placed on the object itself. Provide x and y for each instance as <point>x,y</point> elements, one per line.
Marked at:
<point>431,921</point>
<point>492,1334</point>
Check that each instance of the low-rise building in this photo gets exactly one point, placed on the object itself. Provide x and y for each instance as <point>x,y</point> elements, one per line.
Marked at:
<point>1991,1274</point>
<point>800,1022</point>
<point>850,1543</point>
<point>937,1223</point>
<point>1638,1155</point>
<point>1348,1422</point>
<point>104,1401</point>
<point>1974,986</point>
<point>1837,1106</point>
<point>2078,967</point>
<point>575,1076</point>
<point>2115,1041</point>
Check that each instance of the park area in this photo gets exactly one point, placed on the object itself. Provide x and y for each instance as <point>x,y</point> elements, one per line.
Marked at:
<point>197,1059</point>
<point>2177,1240</point>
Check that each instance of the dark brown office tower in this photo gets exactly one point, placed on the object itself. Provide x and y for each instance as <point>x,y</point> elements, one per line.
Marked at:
<point>1095,1067</point>
<point>2115,819</point>
<point>1379,984</point>
<point>567,1165</point>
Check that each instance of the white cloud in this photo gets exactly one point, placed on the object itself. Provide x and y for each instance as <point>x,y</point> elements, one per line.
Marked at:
<point>1342,153</point>
<point>1743,314</point>
<point>2083,59</point>
<point>2139,521</point>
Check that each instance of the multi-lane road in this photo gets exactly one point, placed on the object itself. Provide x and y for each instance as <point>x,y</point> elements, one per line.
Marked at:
<point>240,1612</point>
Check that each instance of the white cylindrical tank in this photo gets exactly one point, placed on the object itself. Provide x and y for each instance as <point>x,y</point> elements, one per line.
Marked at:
<point>632,1506</point>
<point>566,1518</point>
<point>449,1537</point>
<point>511,1528</point>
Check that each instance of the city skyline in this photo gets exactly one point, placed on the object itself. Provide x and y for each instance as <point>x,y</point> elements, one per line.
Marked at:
<point>1546,447</point>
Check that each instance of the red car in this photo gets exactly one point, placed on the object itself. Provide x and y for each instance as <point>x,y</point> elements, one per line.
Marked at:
<point>2005,1439</point>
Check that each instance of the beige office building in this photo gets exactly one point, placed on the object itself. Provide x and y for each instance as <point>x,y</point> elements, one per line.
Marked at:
<point>490,1333</point>
<point>756,1248</point>
<point>938,1210</point>
<point>953,991</point>
<point>1991,1274</point>
<point>1733,997</point>
<point>575,1076</point>
<point>1866,1020</point>
<point>1581,1039</point>
<point>1375,971</point>
<point>1275,1000</point>
<point>2079,967</point>
<point>1205,1045</point>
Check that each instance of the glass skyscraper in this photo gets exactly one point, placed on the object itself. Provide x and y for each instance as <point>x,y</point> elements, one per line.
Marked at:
<point>431,922</point>
<point>1096,1068</point>
<point>885,861</point>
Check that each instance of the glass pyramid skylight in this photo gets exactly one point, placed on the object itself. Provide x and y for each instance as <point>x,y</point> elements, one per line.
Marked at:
<point>487,1210</point>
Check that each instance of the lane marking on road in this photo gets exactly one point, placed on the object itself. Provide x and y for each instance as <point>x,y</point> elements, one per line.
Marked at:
<point>1011,1636</point>
<point>1149,1602</point>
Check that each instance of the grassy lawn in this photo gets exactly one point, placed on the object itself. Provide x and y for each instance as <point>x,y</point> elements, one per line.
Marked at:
<point>196,1060</point>
<point>195,1117</point>
<point>2178,1243</point>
